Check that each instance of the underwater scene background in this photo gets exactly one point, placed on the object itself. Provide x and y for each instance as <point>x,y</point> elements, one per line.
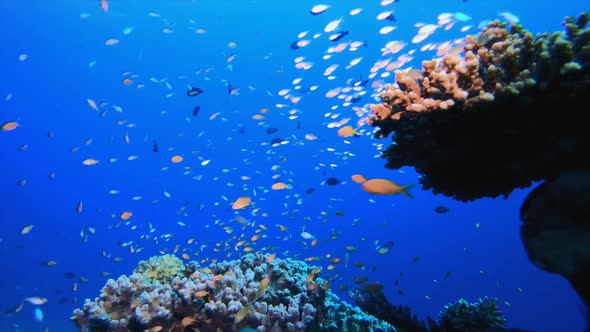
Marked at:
<point>212,129</point>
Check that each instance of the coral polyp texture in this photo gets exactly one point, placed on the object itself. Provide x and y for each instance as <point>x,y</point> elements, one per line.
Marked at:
<point>505,112</point>
<point>255,291</point>
<point>481,316</point>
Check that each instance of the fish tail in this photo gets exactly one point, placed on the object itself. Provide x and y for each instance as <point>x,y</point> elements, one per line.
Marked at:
<point>405,190</point>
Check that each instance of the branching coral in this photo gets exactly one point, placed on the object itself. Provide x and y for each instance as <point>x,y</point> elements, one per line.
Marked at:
<point>506,113</point>
<point>255,291</point>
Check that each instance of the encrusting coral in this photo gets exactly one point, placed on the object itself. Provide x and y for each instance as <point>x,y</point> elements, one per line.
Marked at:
<point>506,113</point>
<point>255,291</point>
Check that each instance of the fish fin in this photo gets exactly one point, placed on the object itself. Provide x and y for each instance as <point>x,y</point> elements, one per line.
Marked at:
<point>405,190</point>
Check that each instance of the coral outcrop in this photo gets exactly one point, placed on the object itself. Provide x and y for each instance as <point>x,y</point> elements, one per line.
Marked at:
<point>506,113</point>
<point>461,316</point>
<point>481,316</point>
<point>254,291</point>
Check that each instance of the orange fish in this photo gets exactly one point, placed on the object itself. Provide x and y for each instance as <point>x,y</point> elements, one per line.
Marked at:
<point>241,203</point>
<point>262,286</point>
<point>271,258</point>
<point>186,321</point>
<point>201,293</point>
<point>279,186</point>
<point>358,178</point>
<point>348,131</point>
<point>126,215</point>
<point>312,275</point>
<point>10,125</point>
<point>385,187</point>
<point>313,286</point>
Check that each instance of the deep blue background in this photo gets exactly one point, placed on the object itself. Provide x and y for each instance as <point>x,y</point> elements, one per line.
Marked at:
<point>49,92</point>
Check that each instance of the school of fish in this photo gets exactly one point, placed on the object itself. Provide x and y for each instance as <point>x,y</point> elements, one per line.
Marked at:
<point>242,205</point>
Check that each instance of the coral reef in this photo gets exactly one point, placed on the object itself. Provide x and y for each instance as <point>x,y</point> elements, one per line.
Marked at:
<point>506,113</point>
<point>371,299</point>
<point>481,316</point>
<point>254,291</point>
<point>163,268</point>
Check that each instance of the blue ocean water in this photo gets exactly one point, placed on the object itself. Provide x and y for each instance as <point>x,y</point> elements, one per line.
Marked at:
<point>54,60</point>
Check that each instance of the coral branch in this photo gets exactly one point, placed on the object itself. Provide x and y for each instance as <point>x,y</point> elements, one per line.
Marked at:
<point>506,113</point>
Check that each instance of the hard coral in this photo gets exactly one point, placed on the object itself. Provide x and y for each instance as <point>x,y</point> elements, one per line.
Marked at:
<point>284,295</point>
<point>507,113</point>
<point>481,316</point>
<point>160,268</point>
